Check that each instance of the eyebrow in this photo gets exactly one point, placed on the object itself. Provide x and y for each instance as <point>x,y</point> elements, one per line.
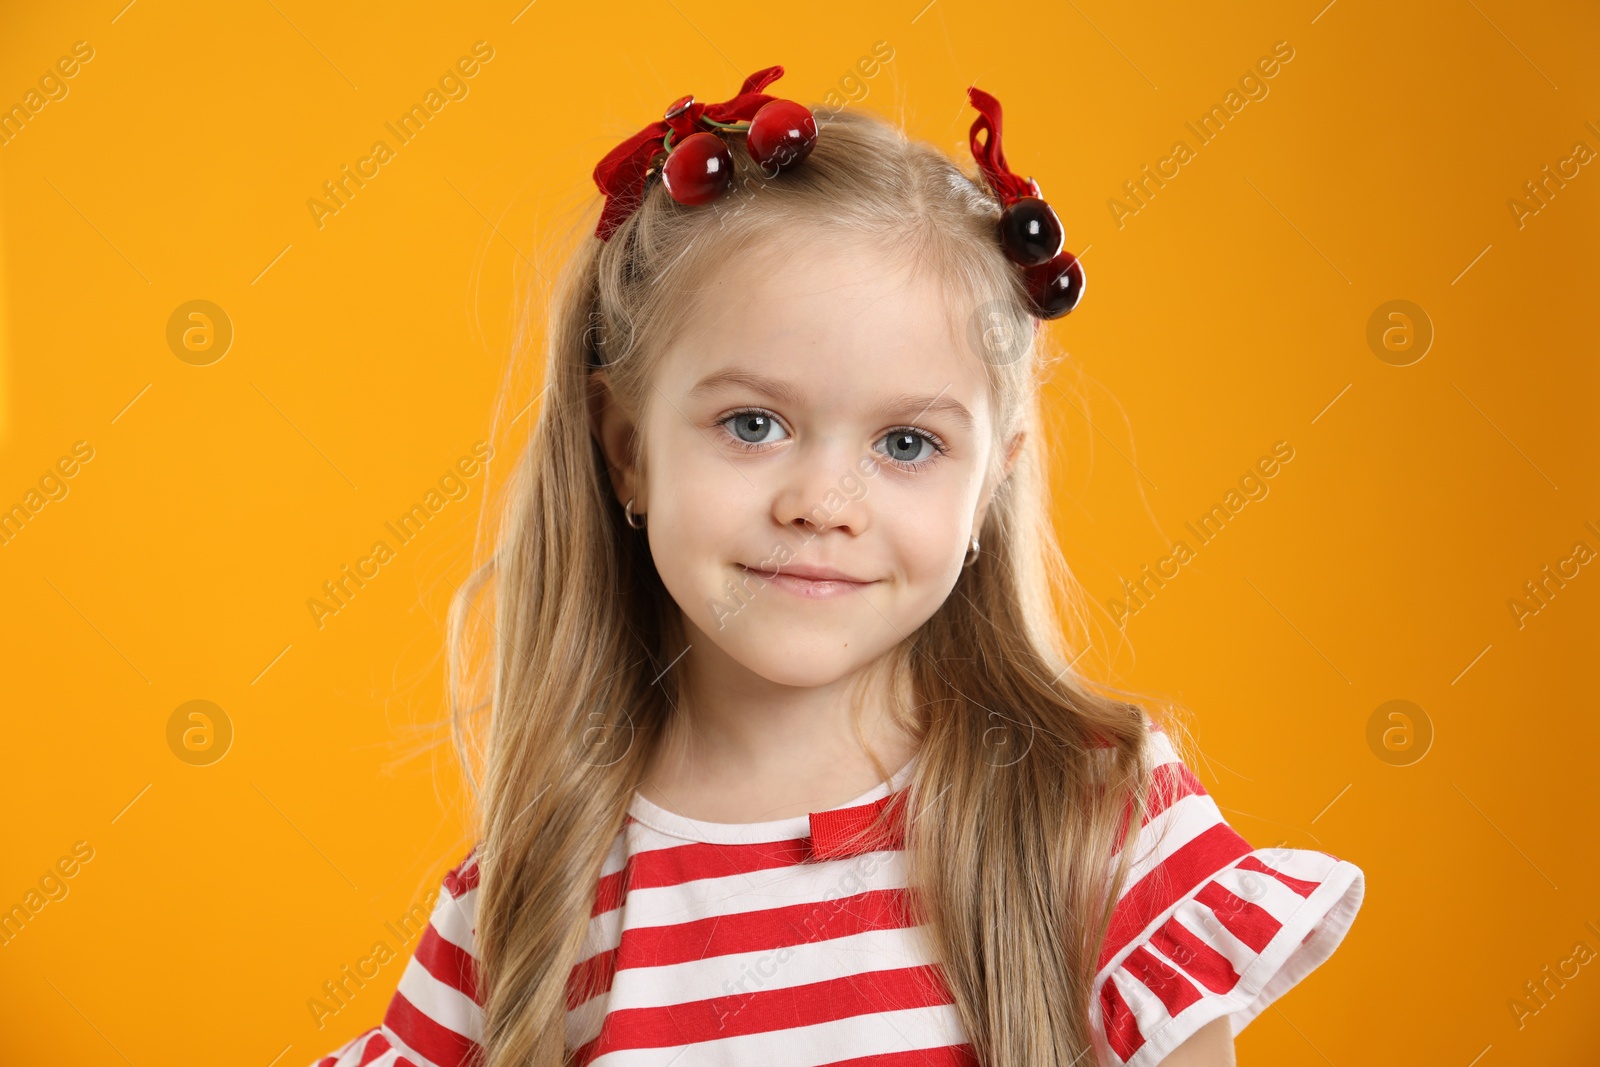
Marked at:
<point>787,393</point>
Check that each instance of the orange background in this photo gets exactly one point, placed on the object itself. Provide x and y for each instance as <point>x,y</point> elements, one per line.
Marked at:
<point>1229,312</point>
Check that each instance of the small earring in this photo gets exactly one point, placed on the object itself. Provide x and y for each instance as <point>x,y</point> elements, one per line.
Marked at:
<point>972,552</point>
<point>627,511</point>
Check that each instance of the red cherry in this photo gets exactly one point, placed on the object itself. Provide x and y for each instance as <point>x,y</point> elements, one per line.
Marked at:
<point>1055,287</point>
<point>698,169</point>
<point>781,134</point>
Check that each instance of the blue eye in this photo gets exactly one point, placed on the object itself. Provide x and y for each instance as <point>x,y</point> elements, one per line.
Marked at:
<point>910,441</point>
<point>754,422</point>
<point>751,428</point>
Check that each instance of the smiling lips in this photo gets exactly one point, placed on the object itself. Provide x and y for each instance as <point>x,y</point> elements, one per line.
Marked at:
<point>813,582</point>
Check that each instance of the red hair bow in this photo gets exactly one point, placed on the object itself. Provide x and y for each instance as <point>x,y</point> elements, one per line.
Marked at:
<point>621,174</point>
<point>990,155</point>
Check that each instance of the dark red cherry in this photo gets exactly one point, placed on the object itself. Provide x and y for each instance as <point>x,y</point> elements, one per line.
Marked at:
<point>781,134</point>
<point>1055,287</point>
<point>698,169</point>
<point>1030,232</point>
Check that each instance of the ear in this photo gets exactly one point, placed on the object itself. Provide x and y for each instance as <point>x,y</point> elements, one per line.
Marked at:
<point>614,430</point>
<point>1013,450</point>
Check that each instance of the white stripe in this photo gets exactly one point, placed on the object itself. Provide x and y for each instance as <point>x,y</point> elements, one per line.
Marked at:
<point>647,839</point>
<point>819,884</point>
<point>584,1021</point>
<point>617,857</point>
<point>605,932</point>
<point>453,919</point>
<point>1160,749</point>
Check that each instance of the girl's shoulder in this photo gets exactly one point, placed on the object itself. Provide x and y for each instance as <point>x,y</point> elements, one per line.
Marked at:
<point>1207,925</point>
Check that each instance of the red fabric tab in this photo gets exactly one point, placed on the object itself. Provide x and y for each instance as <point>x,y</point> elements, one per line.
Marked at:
<point>834,833</point>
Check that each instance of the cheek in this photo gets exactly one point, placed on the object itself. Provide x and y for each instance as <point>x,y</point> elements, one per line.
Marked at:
<point>923,541</point>
<point>926,526</point>
<point>697,499</point>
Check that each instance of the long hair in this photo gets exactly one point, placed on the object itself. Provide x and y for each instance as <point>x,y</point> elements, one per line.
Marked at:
<point>1029,782</point>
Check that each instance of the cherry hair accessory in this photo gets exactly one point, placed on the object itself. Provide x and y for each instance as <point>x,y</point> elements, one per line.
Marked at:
<point>695,163</point>
<point>686,147</point>
<point>1030,232</point>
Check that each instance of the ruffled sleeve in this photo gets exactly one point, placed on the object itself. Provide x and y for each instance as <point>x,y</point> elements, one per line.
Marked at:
<point>435,1018</point>
<point>1207,925</point>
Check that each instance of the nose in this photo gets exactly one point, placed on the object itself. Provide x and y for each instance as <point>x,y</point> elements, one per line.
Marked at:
<point>822,488</point>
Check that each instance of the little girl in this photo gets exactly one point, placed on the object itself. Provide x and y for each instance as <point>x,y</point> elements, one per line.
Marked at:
<point>785,761</point>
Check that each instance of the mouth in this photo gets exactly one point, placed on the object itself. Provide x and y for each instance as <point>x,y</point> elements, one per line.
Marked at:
<point>813,583</point>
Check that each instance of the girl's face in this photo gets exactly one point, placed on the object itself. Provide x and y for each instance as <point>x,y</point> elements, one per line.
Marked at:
<point>816,415</point>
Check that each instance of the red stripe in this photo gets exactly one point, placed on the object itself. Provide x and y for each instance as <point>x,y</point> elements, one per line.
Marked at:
<point>591,977</point>
<point>612,890</point>
<point>1117,1021</point>
<point>1250,923</point>
<point>375,1048</point>
<point>449,963</point>
<point>1210,851</point>
<point>1199,960</point>
<point>464,877</point>
<point>665,867</point>
<point>1162,979</point>
<point>438,1043</point>
<point>948,1056</point>
<point>766,1011</point>
<point>1299,885</point>
<point>769,928</point>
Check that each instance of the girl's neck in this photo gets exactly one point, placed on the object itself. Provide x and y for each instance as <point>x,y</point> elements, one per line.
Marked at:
<point>737,758</point>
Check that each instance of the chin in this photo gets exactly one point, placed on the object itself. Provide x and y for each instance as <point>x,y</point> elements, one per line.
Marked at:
<point>804,657</point>
<point>802,670</point>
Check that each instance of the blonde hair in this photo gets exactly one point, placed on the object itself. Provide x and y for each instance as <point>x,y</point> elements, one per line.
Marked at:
<point>1028,782</point>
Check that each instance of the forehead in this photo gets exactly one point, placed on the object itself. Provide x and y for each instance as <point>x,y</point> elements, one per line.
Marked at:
<point>838,317</point>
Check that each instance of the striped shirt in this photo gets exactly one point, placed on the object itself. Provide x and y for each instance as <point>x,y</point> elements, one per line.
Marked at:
<point>775,943</point>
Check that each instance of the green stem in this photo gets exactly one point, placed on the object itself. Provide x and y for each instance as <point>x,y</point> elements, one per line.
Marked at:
<point>736,127</point>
